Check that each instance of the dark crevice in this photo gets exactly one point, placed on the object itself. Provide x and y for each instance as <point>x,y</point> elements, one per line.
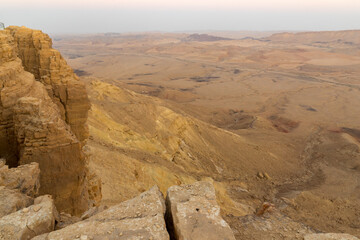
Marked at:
<point>169,220</point>
<point>9,147</point>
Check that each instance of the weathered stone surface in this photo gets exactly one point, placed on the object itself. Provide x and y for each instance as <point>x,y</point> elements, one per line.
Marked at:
<point>25,178</point>
<point>44,137</point>
<point>7,52</point>
<point>12,201</point>
<point>195,214</point>
<point>36,127</point>
<point>271,225</point>
<point>94,188</point>
<point>138,218</point>
<point>65,220</point>
<point>49,67</point>
<point>93,211</point>
<point>14,83</point>
<point>29,222</point>
<point>329,236</point>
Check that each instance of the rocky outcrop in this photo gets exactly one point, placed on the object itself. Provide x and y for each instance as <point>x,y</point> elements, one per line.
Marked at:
<point>10,68</point>
<point>29,222</point>
<point>138,218</point>
<point>18,186</point>
<point>42,118</point>
<point>45,138</point>
<point>94,188</point>
<point>12,200</point>
<point>194,214</point>
<point>193,208</point>
<point>24,178</point>
<point>50,68</point>
<point>329,236</point>
<point>22,216</point>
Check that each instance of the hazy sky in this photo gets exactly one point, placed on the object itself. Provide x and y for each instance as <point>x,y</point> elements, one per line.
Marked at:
<point>85,16</point>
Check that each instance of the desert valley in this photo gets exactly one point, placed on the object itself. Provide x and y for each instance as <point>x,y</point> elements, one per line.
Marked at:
<point>271,120</point>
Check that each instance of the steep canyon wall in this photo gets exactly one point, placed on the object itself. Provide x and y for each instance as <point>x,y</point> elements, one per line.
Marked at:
<point>43,113</point>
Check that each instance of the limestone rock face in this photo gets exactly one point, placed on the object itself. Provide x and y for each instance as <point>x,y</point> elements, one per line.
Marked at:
<point>138,218</point>
<point>23,178</point>
<point>29,222</point>
<point>7,51</point>
<point>44,137</point>
<point>12,201</point>
<point>94,188</point>
<point>42,118</point>
<point>49,67</point>
<point>195,214</point>
<point>329,236</point>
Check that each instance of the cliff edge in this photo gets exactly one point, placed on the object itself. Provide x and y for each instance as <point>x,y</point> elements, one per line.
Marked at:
<point>43,113</point>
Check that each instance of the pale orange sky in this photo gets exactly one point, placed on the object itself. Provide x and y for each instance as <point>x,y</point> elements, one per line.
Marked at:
<point>89,16</point>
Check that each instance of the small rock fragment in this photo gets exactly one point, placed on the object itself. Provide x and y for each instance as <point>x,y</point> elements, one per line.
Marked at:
<point>36,208</point>
<point>260,175</point>
<point>265,207</point>
<point>84,237</point>
<point>267,176</point>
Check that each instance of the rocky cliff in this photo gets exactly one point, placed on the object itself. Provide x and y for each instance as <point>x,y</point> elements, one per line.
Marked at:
<point>43,112</point>
<point>50,68</point>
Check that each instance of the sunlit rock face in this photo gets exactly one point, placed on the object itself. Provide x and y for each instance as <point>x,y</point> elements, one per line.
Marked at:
<point>43,112</point>
<point>50,68</point>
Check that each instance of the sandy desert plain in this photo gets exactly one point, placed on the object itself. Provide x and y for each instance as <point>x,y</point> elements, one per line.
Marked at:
<point>274,119</point>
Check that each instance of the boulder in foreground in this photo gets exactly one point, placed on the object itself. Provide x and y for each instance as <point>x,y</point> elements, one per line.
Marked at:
<point>139,218</point>
<point>29,222</point>
<point>12,200</point>
<point>195,214</point>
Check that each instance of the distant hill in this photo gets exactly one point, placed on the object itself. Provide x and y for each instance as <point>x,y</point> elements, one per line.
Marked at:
<point>204,38</point>
<point>348,36</point>
<point>236,34</point>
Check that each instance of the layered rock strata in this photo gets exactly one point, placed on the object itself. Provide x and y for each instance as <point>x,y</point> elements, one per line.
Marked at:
<point>42,118</point>
<point>42,136</point>
<point>50,68</point>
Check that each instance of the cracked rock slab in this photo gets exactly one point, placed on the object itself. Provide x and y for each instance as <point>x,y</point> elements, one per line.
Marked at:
<point>195,214</point>
<point>139,218</point>
<point>29,222</point>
